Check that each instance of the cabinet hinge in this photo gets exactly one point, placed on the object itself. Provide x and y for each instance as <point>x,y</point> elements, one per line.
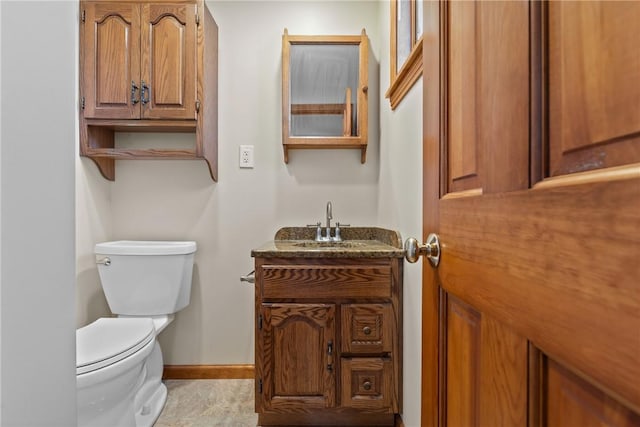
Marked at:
<point>260,386</point>
<point>84,15</point>
<point>260,322</point>
<point>197,17</point>
<point>197,106</point>
<point>82,103</point>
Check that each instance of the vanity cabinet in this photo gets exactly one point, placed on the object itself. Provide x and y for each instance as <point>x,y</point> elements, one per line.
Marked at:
<point>328,341</point>
<point>147,66</point>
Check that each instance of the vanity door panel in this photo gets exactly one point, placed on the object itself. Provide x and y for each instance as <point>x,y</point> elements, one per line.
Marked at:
<point>298,353</point>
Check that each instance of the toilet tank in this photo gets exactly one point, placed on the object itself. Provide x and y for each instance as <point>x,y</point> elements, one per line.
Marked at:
<point>146,278</point>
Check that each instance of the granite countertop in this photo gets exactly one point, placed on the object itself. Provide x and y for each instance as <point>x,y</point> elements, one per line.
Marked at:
<point>357,242</point>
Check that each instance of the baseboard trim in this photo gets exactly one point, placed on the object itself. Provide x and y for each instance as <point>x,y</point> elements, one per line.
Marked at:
<point>208,372</point>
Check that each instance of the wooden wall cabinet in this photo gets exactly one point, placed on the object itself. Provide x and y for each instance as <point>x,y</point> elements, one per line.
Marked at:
<point>147,66</point>
<point>328,341</point>
<point>325,92</point>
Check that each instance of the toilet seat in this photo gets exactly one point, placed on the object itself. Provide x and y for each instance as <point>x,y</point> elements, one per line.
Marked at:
<point>110,340</point>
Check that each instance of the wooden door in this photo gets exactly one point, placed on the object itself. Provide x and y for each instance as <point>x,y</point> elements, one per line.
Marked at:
<point>296,361</point>
<point>532,181</point>
<point>168,59</point>
<point>110,57</point>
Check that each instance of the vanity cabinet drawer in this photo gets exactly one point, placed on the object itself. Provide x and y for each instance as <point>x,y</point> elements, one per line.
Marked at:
<point>313,281</point>
<point>367,384</point>
<point>367,328</point>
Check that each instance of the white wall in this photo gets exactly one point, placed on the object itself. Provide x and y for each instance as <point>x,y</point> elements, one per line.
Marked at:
<point>178,200</point>
<point>0,219</point>
<point>400,207</point>
<point>37,221</point>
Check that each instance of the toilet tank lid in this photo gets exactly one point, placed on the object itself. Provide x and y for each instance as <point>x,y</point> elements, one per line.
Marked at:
<point>145,247</point>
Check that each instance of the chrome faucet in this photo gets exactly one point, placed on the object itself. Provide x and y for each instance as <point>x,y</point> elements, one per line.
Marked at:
<point>329,218</point>
<point>327,237</point>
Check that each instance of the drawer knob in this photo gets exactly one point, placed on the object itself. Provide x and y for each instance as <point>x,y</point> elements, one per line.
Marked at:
<point>366,330</point>
<point>366,385</point>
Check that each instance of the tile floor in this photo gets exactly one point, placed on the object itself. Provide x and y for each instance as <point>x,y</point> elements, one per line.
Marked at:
<point>200,403</point>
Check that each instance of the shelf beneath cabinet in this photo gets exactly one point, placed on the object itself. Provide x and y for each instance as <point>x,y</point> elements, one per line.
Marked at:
<point>100,147</point>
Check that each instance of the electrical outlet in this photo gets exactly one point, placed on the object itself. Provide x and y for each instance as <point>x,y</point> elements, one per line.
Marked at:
<point>246,156</point>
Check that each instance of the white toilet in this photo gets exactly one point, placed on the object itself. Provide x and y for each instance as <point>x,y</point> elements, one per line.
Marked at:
<point>118,359</point>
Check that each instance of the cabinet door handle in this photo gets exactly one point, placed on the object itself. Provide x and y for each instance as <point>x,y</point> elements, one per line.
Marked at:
<point>145,90</point>
<point>366,330</point>
<point>330,356</point>
<point>134,88</point>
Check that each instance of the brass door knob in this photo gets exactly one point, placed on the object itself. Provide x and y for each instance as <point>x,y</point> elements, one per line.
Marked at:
<point>431,249</point>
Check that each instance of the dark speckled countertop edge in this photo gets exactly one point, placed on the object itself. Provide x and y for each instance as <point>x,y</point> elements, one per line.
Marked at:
<point>372,242</point>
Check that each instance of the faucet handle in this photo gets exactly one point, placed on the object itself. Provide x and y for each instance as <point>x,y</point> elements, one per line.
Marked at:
<point>338,237</point>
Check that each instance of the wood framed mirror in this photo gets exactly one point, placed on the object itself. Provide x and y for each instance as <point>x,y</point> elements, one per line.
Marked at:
<point>324,92</point>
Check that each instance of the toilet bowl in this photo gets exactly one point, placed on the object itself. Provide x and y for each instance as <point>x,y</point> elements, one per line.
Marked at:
<point>118,359</point>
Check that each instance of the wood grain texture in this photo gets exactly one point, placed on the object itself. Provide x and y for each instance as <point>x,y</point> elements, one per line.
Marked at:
<point>367,328</point>
<point>434,129</point>
<point>353,355</point>
<point>503,91</point>
<point>464,146</point>
<point>297,339</point>
<point>366,384</point>
<point>110,54</point>
<point>545,241</point>
<point>326,419</point>
<point>168,60</point>
<point>281,281</point>
<point>594,64</point>
<point>123,43</point>
<point>462,363</point>
<point>207,89</point>
<point>359,130</point>
<point>208,372</point>
<point>570,400</point>
<point>550,270</point>
<point>503,375</point>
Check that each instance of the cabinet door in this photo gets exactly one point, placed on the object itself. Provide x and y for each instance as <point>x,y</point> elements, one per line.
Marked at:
<point>111,60</point>
<point>295,357</point>
<point>168,57</point>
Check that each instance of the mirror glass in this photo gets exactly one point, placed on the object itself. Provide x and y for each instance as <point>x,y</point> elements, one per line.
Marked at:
<point>323,89</point>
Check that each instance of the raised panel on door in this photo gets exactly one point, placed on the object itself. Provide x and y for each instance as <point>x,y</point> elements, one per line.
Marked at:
<point>169,61</point>
<point>594,70</point>
<point>461,363</point>
<point>485,369</point>
<point>464,147</point>
<point>571,400</point>
<point>298,360</point>
<point>111,61</point>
